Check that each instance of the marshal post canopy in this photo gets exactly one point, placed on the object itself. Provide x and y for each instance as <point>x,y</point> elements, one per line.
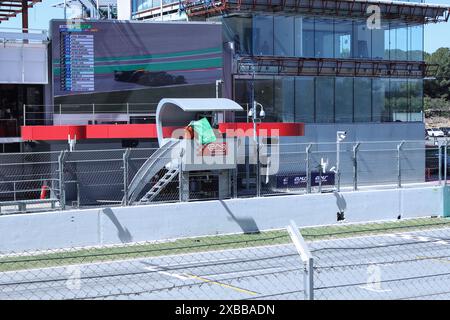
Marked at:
<point>180,112</point>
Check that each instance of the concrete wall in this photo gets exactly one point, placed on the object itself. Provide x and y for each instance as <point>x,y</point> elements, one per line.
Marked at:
<point>117,225</point>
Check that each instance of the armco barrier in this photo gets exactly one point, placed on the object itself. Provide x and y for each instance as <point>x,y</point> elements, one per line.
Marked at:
<point>115,225</point>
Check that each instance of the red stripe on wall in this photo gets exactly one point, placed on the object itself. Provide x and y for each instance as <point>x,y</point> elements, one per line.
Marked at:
<point>263,129</point>
<point>142,131</point>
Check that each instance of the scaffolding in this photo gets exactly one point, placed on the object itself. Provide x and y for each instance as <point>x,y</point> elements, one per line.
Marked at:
<point>11,8</point>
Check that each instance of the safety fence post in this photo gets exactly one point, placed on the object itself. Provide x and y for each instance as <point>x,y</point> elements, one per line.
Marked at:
<point>62,184</point>
<point>308,169</point>
<point>399,163</point>
<point>125,167</point>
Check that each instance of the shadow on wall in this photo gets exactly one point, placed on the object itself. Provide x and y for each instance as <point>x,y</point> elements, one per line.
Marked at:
<point>123,233</point>
<point>247,224</point>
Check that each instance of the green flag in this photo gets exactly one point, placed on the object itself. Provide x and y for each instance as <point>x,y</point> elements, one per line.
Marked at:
<point>204,131</point>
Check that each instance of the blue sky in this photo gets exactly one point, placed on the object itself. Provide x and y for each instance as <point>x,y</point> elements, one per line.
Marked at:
<point>436,35</point>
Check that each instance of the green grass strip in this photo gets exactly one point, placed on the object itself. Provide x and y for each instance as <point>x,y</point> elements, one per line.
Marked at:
<point>210,243</point>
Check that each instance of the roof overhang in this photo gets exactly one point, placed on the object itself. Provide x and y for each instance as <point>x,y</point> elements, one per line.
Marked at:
<point>179,112</point>
<point>409,11</point>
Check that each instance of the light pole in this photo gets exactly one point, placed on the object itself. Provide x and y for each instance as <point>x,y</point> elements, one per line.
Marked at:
<point>340,136</point>
<point>254,116</point>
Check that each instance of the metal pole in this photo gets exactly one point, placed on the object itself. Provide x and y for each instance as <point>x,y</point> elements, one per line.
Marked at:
<point>355,166</point>
<point>399,164</point>
<point>440,162</point>
<point>62,191</point>
<point>24,115</point>
<point>338,171</point>
<point>258,170</point>
<point>60,113</point>
<point>65,9</point>
<point>320,178</point>
<point>128,113</point>
<point>308,169</point>
<point>125,159</point>
<point>445,161</point>
<point>235,171</point>
<point>93,113</point>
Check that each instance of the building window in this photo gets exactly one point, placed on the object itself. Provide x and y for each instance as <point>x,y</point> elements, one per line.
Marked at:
<point>284,36</point>
<point>239,31</point>
<point>362,100</point>
<point>324,99</point>
<point>362,44</point>
<point>263,35</point>
<point>343,100</point>
<point>398,100</point>
<point>343,39</point>
<point>323,38</point>
<point>398,41</point>
<point>306,30</point>
<point>304,99</point>
<point>329,99</point>
<point>283,109</point>
<point>415,43</point>
<point>416,99</point>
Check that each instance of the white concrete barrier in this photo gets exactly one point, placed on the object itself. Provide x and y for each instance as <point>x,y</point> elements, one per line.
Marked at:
<point>115,225</point>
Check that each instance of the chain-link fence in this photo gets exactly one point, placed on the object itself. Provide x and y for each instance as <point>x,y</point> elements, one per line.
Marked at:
<point>239,266</point>
<point>397,260</point>
<point>29,176</point>
<point>405,259</point>
<point>81,178</point>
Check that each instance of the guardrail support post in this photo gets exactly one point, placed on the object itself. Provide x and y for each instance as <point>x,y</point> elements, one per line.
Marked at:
<point>355,166</point>
<point>62,186</point>
<point>125,159</point>
<point>308,169</point>
<point>399,164</point>
<point>307,259</point>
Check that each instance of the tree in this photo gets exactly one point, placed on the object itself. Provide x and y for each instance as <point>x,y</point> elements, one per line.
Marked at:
<point>439,88</point>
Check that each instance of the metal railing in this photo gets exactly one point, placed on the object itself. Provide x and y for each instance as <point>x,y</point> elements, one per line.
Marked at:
<point>95,113</point>
<point>19,35</point>
<point>84,178</point>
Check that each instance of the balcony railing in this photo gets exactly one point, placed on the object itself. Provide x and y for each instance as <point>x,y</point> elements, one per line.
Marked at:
<point>17,35</point>
<point>83,114</point>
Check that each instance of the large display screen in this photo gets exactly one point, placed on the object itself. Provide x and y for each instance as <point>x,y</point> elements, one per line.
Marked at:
<point>122,61</point>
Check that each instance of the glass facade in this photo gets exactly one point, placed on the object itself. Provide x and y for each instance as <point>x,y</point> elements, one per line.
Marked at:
<point>324,37</point>
<point>334,99</point>
<point>141,5</point>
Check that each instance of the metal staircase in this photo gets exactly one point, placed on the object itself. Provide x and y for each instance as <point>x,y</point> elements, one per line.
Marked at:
<point>157,161</point>
<point>159,186</point>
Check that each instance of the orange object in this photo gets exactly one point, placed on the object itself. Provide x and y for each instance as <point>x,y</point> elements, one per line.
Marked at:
<point>188,133</point>
<point>44,191</point>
